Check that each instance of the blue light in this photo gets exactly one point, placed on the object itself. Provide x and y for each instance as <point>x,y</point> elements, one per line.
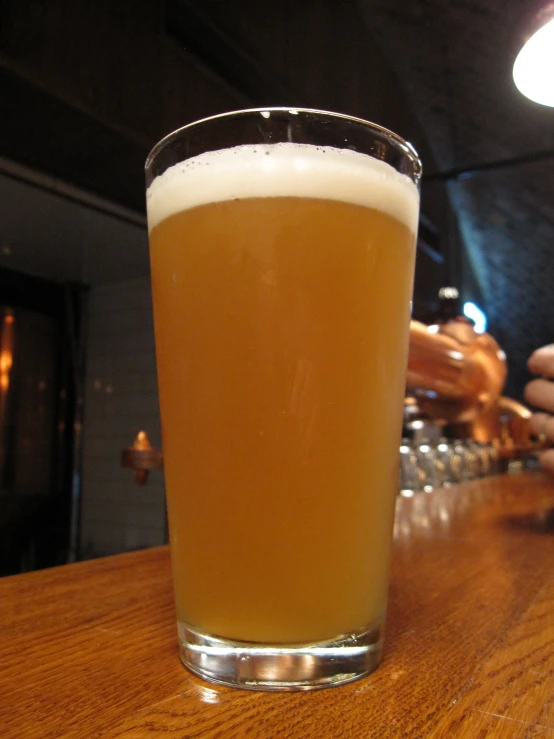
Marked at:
<point>477,316</point>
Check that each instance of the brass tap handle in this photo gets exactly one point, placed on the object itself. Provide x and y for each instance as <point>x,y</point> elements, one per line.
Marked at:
<point>141,457</point>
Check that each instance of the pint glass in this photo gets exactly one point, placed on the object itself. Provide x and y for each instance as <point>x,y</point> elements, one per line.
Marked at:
<point>282,252</point>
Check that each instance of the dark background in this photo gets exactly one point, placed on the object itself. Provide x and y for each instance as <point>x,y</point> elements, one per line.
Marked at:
<point>88,87</point>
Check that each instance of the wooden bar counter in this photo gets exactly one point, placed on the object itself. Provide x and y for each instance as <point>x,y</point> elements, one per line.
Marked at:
<point>90,651</point>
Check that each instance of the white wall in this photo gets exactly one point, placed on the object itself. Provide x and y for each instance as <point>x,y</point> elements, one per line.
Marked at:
<point>66,241</point>
<point>121,398</point>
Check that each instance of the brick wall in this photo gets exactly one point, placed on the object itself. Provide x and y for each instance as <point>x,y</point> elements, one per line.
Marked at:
<point>121,398</point>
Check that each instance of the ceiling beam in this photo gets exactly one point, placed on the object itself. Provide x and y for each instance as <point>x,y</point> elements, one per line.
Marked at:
<point>194,30</point>
<point>471,170</point>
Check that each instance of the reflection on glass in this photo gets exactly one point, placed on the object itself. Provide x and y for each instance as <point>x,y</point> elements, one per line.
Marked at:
<point>427,466</point>
<point>411,477</point>
<point>431,466</point>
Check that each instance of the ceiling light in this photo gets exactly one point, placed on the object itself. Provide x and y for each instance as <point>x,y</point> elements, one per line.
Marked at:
<point>534,65</point>
<point>451,293</point>
<point>478,317</point>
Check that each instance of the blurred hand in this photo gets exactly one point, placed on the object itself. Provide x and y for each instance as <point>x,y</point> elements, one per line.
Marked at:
<point>540,393</point>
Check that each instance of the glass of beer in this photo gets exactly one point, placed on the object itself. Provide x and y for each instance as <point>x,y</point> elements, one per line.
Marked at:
<point>282,247</point>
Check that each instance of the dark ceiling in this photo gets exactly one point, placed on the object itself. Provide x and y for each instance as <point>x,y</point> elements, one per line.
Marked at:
<point>495,148</point>
<point>87,88</point>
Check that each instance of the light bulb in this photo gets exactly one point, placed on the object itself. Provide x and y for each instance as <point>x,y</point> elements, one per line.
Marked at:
<point>479,318</point>
<point>534,66</point>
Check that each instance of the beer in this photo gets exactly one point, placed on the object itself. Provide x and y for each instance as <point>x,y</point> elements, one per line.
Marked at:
<point>282,280</point>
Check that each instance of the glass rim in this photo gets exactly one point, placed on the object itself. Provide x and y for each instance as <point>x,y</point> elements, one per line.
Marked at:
<point>405,146</point>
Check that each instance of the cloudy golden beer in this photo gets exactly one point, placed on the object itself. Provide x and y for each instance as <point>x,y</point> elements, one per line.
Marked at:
<point>282,280</point>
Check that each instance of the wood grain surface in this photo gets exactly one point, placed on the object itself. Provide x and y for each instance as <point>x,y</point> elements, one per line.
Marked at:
<point>90,651</point>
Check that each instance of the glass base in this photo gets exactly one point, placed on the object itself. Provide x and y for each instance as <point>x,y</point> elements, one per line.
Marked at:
<point>281,668</point>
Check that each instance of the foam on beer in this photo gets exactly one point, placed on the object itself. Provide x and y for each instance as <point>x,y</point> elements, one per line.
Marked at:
<point>283,170</point>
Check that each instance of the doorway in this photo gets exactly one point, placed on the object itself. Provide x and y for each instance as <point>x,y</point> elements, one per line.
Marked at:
<point>40,370</point>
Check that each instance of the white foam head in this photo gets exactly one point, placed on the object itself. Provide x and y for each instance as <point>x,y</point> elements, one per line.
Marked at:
<point>279,170</point>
